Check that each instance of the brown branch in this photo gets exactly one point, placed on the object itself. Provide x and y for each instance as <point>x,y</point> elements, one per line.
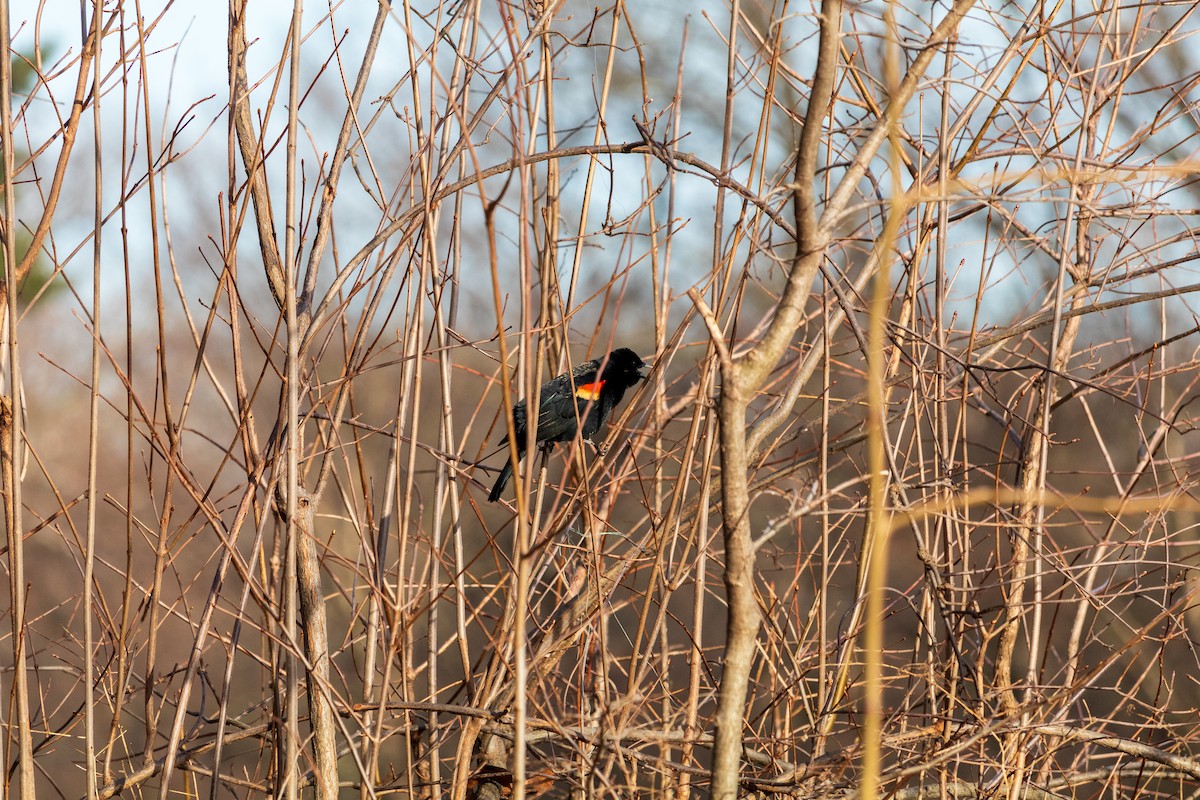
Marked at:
<point>740,381</point>
<point>70,132</point>
<point>252,155</point>
<point>340,156</point>
<point>316,646</point>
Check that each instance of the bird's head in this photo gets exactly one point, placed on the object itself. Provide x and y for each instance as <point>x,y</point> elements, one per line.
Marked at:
<point>625,366</point>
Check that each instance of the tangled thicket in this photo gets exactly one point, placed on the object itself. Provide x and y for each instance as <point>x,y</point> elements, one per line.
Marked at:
<point>907,507</point>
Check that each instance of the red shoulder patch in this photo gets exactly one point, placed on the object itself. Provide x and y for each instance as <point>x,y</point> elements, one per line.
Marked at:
<point>589,391</point>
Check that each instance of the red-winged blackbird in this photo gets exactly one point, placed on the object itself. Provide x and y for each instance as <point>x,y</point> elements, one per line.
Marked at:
<point>588,394</point>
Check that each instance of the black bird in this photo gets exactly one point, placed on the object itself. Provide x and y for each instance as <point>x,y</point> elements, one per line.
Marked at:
<point>587,395</point>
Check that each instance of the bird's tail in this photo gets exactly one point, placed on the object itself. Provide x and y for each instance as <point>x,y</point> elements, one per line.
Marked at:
<point>505,474</point>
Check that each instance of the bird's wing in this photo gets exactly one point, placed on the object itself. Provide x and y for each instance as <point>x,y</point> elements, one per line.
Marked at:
<point>587,382</point>
<point>552,400</point>
<point>557,406</point>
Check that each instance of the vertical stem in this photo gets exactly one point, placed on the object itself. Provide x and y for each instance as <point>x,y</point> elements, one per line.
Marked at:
<point>825,693</point>
<point>879,521</point>
<point>291,763</point>
<point>744,617</point>
<point>11,428</point>
<point>150,714</point>
<point>316,648</point>
<point>520,659</point>
<point>941,540</point>
<point>89,563</point>
<point>741,379</point>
